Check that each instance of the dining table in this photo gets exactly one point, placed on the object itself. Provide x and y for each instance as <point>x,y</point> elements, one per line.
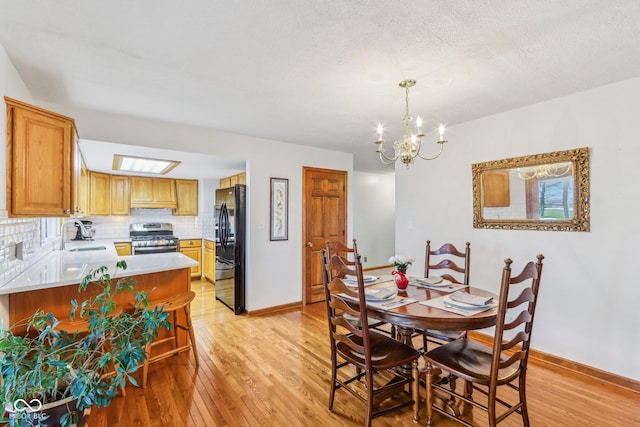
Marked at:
<point>424,307</point>
<point>412,310</point>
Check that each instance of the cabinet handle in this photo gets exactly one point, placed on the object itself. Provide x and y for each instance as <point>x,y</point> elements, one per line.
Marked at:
<point>67,211</point>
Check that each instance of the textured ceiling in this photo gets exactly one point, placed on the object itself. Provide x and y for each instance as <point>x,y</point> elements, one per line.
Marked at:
<point>319,73</point>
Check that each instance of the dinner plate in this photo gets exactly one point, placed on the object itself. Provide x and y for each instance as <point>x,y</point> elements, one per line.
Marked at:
<point>377,295</point>
<point>366,278</point>
<point>425,281</point>
<point>463,305</point>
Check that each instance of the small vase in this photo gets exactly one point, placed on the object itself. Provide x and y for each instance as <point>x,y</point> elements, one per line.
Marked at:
<point>401,279</point>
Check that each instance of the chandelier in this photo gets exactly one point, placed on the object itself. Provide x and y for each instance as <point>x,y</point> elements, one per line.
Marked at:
<point>407,148</point>
<point>546,171</point>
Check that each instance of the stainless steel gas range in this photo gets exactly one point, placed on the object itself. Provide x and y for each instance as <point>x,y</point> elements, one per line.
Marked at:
<point>152,238</point>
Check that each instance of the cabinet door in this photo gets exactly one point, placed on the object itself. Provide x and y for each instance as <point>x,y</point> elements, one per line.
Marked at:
<point>242,178</point>
<point>83,190</point>
<point>193,249</point>
<point>99,193</point>
<point>164,192</point>
<point>225,182</point>
<point>40,162</point>
<point>141,192</point>
<point>123,248</point>
<point>208,263</point>
<point>187,194</point>
<point>120,195</point>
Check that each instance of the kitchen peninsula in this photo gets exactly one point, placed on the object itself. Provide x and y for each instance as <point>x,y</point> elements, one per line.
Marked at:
<point>52,282</point>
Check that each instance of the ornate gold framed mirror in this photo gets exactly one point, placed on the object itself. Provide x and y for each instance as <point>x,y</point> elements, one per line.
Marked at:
<point>547,192</point>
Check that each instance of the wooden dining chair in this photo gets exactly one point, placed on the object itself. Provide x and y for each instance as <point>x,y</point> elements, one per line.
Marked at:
<point>485,368</point>
<point>452,265</point>
<point>359,352</point>
<point>348,255</point>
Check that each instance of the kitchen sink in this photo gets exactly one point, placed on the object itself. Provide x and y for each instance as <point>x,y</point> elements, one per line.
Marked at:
<point>87,248</point>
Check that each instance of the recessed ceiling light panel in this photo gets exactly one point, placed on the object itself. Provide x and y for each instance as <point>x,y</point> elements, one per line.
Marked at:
<point>134,164</point>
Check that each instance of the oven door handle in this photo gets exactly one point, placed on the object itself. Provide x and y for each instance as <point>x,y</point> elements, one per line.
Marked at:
<point>140,249</point>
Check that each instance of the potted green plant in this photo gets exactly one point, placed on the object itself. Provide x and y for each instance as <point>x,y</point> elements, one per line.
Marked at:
<point>47,371</point>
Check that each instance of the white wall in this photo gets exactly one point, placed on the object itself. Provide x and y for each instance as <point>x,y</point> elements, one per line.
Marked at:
<point>374,202</point>
<point>589,292</point>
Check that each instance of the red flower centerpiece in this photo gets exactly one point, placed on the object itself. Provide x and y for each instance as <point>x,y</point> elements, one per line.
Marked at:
<point>400,273</point>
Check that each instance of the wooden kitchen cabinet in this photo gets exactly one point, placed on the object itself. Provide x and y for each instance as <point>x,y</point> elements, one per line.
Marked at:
<point>209,260</point>
<point>153,192</point>
<point>41,162</point>
<point>99,193</point>
<point>120,198</point>
<point>123,248</point>
<point>230,181</point>
<point>187,195</point>
<point>193,249</point>
<point>83,189</point>
<point>225,182</point>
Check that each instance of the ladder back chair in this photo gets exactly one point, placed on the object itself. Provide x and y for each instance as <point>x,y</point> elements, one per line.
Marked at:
<point>348,256</point>
<point>484,368</point>
<point>358,352</point>
<point>455,265</point>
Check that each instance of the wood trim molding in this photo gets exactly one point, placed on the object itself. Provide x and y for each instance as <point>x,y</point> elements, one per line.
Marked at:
<point>275,309</point>
<point>377,268</point>
<point>559,362</point>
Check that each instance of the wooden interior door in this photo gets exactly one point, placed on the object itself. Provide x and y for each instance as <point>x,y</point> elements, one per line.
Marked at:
<point>324,211</point>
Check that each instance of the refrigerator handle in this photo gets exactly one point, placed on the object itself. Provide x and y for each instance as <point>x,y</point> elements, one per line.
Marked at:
<point>224,226</point>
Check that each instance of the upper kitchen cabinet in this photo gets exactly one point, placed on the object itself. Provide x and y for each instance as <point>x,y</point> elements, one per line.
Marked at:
<point>187,193</point>
<point>41,162</point>
<point>99,193</point>
<point>153,192</point>
<point>120,197</point>
<point>232,180</point>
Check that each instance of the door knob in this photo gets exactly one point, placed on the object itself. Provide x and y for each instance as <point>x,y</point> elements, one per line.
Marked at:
<point>309,244</point>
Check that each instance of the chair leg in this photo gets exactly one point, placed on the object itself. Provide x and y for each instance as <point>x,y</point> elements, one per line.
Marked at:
<point>332,392</point>
<point>429,386</point>
<point>145,367</point>
<point>369,376</point>
<point>523,399</point>
<point>192,337</point>
<point>415,390</point>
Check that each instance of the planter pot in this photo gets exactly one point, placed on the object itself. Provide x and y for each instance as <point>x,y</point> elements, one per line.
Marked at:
<point>28,414</point>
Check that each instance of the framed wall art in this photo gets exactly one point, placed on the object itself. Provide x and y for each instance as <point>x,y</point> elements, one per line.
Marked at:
<point>279,217</point>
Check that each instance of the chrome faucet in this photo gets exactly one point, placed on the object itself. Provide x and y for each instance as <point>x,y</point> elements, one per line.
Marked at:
<point>83,230</point>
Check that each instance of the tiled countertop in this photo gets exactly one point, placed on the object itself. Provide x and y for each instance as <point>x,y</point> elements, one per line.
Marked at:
<point>67,267</point>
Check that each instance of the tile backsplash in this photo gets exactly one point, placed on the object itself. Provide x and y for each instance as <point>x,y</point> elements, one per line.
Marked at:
<point>30,231</point>
<point>115,227</point>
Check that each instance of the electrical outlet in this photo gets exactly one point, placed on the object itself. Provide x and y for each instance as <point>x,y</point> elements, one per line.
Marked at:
<point>365,259</point>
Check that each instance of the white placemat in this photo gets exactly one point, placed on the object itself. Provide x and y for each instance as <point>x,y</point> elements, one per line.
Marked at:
<point>442,305</point>
<point>390,304</point>
<point>449,288</point>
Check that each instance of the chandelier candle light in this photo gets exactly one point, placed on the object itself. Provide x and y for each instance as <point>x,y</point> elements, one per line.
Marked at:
<point>407,148</point>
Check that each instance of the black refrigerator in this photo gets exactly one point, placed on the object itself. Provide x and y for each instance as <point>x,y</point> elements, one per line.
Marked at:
<point>230,220</point>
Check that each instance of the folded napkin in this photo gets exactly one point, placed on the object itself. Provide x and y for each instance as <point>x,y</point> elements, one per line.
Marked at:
<point>366,278</point>
<point>446,289</point>
<point>383,293</point>
<point>471,299</point>
<point>393,303</point>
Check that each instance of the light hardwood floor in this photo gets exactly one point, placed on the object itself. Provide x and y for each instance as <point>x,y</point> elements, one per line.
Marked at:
<point>274,370</point>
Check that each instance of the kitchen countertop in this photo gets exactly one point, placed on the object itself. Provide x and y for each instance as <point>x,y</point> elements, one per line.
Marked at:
<point>68,267</point>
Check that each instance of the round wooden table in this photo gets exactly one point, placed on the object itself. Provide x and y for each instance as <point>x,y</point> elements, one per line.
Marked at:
<point>419,316</point>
